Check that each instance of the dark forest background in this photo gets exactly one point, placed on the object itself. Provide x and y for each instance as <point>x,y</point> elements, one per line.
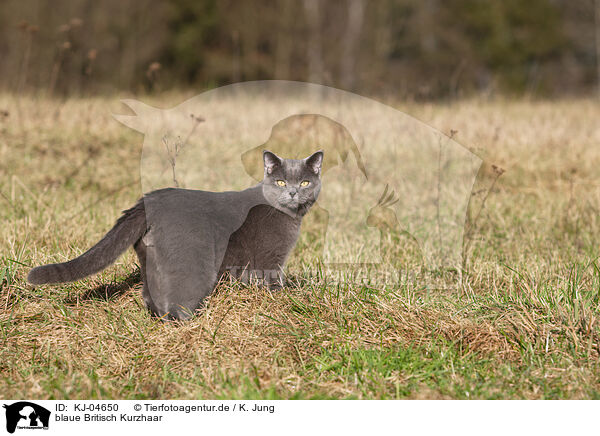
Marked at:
<point>411,48</point>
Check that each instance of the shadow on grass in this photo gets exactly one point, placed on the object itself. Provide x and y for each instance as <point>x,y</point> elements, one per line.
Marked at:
<point>108,291</point>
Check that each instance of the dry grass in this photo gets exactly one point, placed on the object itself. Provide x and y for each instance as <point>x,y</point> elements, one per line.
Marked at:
<point>522,321</point>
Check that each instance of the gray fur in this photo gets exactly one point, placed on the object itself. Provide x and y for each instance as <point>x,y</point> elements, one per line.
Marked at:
<point>187,239</point>
<point>128,229</point>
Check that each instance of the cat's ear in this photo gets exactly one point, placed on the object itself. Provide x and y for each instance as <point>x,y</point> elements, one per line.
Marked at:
<point>271,161</point>
<point>314,162</point>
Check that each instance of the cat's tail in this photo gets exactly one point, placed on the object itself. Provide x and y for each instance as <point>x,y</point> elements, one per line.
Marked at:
<point>130,227</point>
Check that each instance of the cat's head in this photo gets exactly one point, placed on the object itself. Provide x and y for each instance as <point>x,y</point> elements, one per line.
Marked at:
<point>292,185</point>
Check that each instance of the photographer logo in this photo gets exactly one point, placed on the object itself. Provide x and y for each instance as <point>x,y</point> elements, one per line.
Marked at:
<point>25,415</point>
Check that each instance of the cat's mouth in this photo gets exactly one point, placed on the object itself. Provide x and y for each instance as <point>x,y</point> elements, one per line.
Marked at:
<point>297,209</point>
<point>293,209</point>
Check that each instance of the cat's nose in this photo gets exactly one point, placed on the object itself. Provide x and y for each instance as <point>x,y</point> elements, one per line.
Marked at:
<point>293,193</point>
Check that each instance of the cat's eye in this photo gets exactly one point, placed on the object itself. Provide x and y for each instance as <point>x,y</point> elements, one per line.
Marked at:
<point>304,183</point>
<point>281,182</point>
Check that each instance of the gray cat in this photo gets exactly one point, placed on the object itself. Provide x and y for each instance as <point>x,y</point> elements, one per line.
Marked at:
<point>187,239</point>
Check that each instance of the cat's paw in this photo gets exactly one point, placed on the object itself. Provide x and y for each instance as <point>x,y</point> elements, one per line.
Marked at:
<point>276,286</point>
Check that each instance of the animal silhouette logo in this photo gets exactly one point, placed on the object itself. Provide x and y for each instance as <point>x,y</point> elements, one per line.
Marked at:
<point>393,237</point>
<point>26,415</point>
<point>382,215</point>
<point>214,142</point>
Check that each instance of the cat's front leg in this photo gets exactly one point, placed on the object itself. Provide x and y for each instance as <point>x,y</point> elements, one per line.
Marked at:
<point>274,279</point>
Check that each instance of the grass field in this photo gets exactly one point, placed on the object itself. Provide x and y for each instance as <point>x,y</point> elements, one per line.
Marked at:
<point>521,321</point>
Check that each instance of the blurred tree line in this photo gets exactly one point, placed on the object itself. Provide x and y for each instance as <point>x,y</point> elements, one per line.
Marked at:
<point>412,48</point>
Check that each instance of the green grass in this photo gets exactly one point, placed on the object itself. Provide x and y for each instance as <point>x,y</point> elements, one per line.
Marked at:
<point>521,320</point>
